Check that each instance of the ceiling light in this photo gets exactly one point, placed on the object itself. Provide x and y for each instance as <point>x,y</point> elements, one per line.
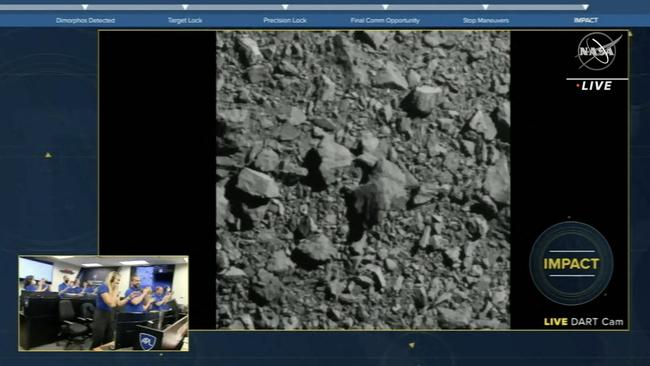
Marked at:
<point>134,263</point>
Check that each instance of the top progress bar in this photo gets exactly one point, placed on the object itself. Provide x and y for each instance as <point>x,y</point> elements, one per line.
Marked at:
<point>295,7</point>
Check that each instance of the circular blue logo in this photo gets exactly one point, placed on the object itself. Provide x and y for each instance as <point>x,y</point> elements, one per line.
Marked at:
<point>571,263</point>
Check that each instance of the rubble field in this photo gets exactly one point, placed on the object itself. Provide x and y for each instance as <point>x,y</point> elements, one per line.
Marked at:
<point>363,180</point>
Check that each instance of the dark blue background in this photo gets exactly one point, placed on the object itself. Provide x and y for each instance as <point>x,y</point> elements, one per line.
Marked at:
<point>48,103</point>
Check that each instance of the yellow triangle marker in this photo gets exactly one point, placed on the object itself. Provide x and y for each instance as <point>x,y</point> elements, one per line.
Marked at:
<point>48,155</point>
<point>412,345</point>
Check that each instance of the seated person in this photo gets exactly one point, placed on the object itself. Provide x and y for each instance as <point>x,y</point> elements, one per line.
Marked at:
<point>87,289</point>
<point>137,297</point>
<point>64,285</point>
<point>74,288</point>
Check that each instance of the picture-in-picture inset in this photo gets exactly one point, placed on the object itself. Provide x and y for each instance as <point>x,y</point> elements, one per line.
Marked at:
<point>103,303</point>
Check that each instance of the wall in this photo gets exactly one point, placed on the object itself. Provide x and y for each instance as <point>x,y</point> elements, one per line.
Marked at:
<point>181,283</point>
<point>57,276</point>
<point>95,275</point>
<point>125,274</point>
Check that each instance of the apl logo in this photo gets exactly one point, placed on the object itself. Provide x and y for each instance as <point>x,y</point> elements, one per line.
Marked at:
<point>147,341</point>
<point>597,51</point>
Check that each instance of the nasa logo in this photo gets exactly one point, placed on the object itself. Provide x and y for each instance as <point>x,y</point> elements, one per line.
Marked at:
<point>147,341</point>
<point>597,51</point>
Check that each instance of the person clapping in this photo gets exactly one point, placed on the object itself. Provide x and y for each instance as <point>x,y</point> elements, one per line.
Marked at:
<point>108,300</point>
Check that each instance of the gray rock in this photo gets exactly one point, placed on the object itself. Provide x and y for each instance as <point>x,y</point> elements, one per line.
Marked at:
<point>333,314</point>
<point>222,207</point>
<point>333,156</point>
<point>497,182</point>
<point>414,78</point>
<point>392,185</point>
<point>234,274</point>
<point>280,262</point>
<point>349,299</point>
<point>378,275</point>
<point>327,89</point>
<point>364,281</point>
<point>297,116</point>
<point>503,113</point>
<point>249,52</point>
<point>432,39</point>
<point>483,124</point>
<point>325,123</point>
<point>424,99</point>
<point>453,255</point>
<point>367,160</point>
<point>454,319</point>
<point>385,190</point>
<point>291,169</point>
<point>223,263</point>
<point>257,184</point>
<point>420,297</point>
<point>368,142</point>
<point>343,50</point>
<point>266,288</point>
<point>391,264</point>
<point>234,118</point>
<point>287,132</point>
<point>287,68</point>
<point>318,248</point>
<point>374,38</point>
<point>390,77</point>
<point>267,160</point>
<point>257,73</point>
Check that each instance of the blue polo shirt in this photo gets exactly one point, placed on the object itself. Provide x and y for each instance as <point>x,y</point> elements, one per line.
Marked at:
<point>74,290</point>
<point>158,298</point>
<point>99,302</point>
<point>130,307</point>
<point>62,286</point>
<point>31,288</point>
<point>87,290</point>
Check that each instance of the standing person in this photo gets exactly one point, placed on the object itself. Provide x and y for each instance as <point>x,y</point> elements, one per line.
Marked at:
<point>138,297</point>
<point>64,285</point>
<point>108,300</point>
<point>28,284</point>
<point>43,286</point>
<point>161,299</point>
<point>148,300</point>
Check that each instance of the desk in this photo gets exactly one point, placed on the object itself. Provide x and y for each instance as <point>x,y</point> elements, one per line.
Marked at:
<point>170,338</point>
<point>173,337</point>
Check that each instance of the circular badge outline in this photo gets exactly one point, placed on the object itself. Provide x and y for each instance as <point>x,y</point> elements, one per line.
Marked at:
<point>557,292</point>
<point>593,68</point>
<point>601,281</point>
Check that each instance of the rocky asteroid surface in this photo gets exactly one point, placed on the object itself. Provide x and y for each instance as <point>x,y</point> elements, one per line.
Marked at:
<point>363,180</point>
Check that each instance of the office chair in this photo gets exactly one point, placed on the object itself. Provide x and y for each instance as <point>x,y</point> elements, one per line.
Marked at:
<point>72,327</point>
<point>87,314</point>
